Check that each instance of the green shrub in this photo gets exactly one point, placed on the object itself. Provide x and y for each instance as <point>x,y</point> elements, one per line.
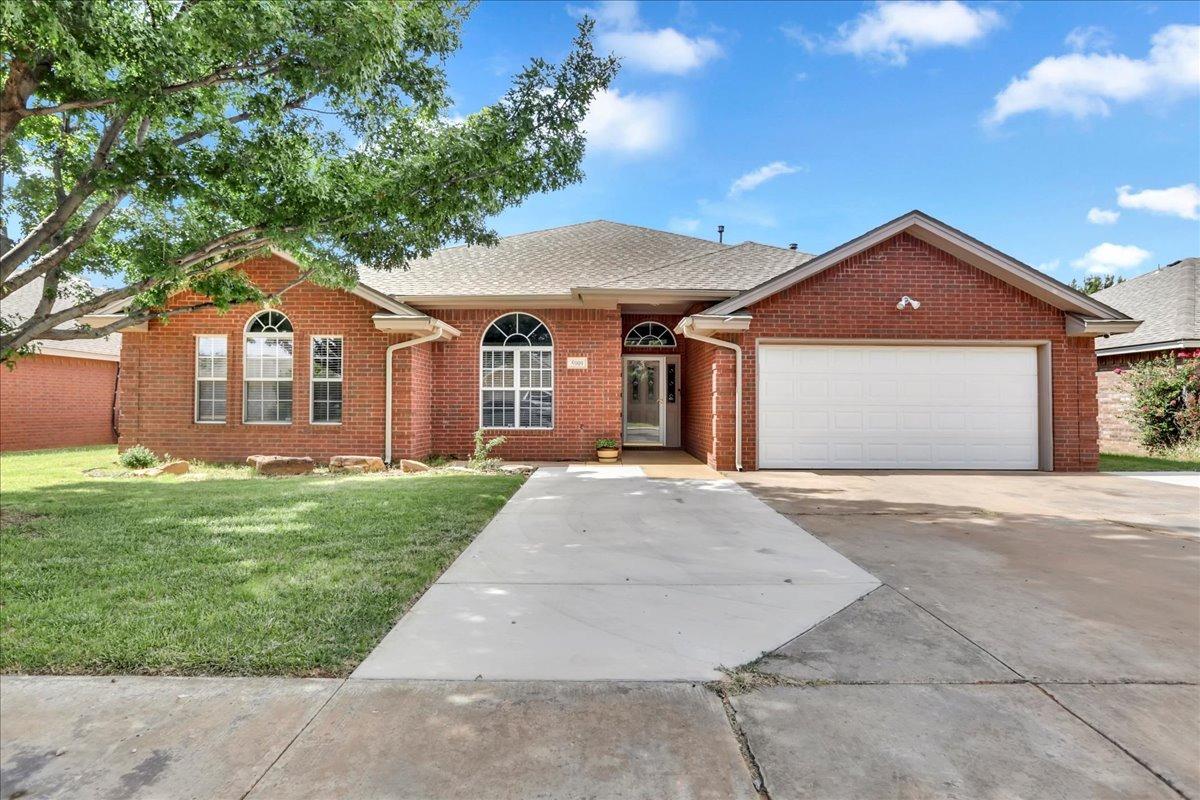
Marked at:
<point>607,444</point>
<point>138,457</point>
<point>1165,408</point>
<point>482,459</point>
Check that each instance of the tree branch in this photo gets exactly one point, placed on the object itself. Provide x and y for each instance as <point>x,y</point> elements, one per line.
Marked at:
<point>58,219</point>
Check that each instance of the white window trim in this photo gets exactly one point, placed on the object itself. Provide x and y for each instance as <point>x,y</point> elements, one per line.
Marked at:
<point>196,379</point>
<point>246,381</point>
<point>518,388</point>
<point>666,329</point>
<point>313,380</point>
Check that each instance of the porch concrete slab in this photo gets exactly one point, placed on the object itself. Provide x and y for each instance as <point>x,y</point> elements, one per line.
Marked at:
<point>595,572</point>
<point>426,740</point>
<point>147,737</point>
<point>884,638</point>
<point>597,632</point>
<point>993,741</point>
<point>1158,724</point>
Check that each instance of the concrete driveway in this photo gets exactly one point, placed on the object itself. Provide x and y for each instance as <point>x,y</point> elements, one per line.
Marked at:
<point>1036,635</point>
<point>595,572</point>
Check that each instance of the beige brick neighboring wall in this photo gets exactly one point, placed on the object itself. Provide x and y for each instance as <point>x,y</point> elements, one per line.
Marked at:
<point>1118,434</point>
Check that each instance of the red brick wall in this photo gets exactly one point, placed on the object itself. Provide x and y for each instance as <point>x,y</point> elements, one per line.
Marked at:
<point>53,401</point>
<point>857,300</point>
<point>587,402</point>
<point>158,372</point>
<point>708,410</point>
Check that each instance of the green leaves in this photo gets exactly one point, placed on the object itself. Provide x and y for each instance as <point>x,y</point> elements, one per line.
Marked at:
<point>320,128</point>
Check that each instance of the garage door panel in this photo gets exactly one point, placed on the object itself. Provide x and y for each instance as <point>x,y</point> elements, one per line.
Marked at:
<point>896,407</point>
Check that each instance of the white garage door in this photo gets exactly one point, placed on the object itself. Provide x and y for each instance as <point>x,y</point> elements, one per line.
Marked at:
<point>891,407</point>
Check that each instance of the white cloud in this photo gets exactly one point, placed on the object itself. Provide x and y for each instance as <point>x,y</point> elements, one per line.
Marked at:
<point>1049,266</point>
<point>630,123</point>
<point>1086,84</point>
<point>756,178</point>
<point>1102,216</point>
<point>619,28</point>
<point>890,31</point>
<point>797,34</point>
<point>684,224</point>
<point>1177,201</point>
<point>1110,258</point>
<point>1089,37</point>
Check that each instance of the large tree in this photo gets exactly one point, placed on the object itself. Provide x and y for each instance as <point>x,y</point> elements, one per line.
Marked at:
<point>158,143</point>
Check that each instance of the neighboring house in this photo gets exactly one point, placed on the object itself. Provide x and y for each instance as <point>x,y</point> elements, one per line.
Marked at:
<point>1168,300</point>
<point>65,395</point>
<point>743,355</point>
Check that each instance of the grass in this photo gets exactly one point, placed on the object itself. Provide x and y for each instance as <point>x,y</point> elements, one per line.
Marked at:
<point>1119,462</point>
<point>218,572</point>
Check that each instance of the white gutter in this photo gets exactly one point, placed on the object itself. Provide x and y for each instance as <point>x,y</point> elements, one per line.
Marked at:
<point>440,331</point>
<point>686,326</point>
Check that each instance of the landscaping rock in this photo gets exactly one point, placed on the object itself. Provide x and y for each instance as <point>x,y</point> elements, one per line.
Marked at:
<point>280,465</point>
<point>517,469</point>
<point>408,465</point>
<point>356,464</point>
<point>173,468</point>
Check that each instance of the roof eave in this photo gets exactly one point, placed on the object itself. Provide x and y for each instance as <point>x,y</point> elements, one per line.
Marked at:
<point>1086,326</point>
<point>1147,347</point>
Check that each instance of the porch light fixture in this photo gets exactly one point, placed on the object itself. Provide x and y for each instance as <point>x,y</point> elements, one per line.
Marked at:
<point>908,301</point>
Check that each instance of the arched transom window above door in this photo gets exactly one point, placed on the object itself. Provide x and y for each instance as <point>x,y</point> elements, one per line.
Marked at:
<point>649,334</point>
<point>516,379</point>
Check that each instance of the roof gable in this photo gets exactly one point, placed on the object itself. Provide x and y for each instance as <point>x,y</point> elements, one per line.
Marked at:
<point>940,235</point>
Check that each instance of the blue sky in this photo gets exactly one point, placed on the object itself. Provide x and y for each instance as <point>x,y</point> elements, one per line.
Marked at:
<point>813,123</point>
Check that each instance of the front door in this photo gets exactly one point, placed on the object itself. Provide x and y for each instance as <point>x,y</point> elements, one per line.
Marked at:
<point>645,403</point>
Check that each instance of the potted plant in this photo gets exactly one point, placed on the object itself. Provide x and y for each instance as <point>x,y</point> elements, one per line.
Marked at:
<point>607,450</point>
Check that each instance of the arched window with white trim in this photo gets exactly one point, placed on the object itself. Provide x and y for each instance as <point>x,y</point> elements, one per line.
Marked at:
<point>649,334</point>
<point>516,379</point>
<point>267,370</point>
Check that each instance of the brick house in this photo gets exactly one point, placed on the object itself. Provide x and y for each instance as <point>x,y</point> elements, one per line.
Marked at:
<point>1168,302</point>
<point>65,395</point>
<point>911,346</point>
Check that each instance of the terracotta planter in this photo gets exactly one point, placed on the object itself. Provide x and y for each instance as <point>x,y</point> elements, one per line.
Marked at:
<point>607,455</point>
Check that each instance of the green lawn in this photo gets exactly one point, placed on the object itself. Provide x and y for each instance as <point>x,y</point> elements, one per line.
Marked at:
<point>218,572</point>
<point>1116,462</point>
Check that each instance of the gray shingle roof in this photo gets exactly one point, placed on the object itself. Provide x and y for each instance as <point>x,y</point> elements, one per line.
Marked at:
<point>736,268</point>
<point>20,305</point>
<point>587,255</point>
<point>1167,300</point>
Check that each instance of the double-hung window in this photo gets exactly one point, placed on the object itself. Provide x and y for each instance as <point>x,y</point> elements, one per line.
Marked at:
<point>212,363</point>
<point>517,374</point>
<point>326,380</point>
<point>267,368</point>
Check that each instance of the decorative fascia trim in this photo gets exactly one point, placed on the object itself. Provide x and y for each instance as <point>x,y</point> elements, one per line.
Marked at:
<point>394,323</point>
<point>1148,347</point>
<point>708,323</point>
<point>100,320</point>
<point>66,352</point>
<point>1084,326</point>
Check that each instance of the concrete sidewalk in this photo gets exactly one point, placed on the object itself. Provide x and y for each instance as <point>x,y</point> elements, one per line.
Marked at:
<point>595,572</point>
<point>147,738</point>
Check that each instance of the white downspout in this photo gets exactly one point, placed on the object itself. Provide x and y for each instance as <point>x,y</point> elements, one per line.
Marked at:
<point>437,334</point>
<point>688,333</point>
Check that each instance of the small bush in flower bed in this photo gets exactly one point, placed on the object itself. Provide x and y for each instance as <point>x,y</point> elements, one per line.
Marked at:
<point>1165,394</point>
<point>138,457</point>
